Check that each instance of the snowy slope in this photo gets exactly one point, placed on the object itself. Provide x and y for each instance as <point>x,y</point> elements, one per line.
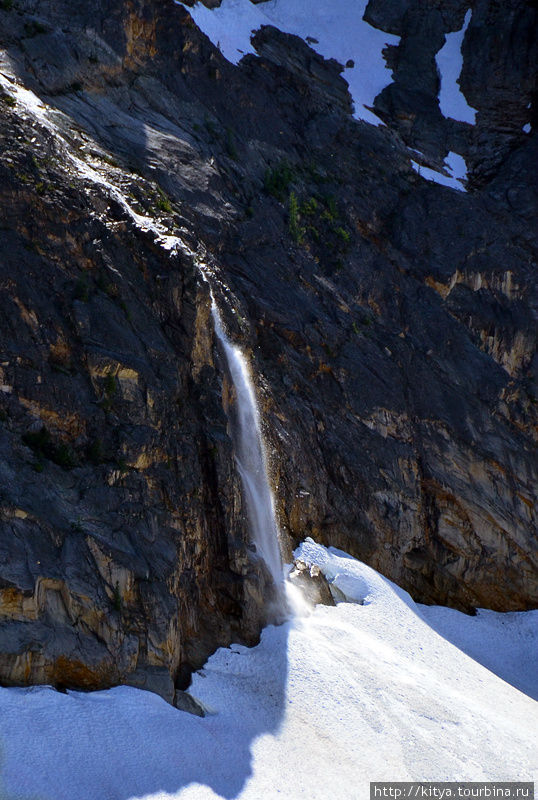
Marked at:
<point>337,26</point>
<point>506,644</point>
<point>336,29</point>
<point>321,707</point>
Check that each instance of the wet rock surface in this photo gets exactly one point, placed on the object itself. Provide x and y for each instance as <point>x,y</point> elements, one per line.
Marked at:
<point>391,324</point>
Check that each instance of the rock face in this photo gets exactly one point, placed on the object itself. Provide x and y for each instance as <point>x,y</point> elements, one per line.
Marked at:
<point>123,549</point>
<point>498,79</point>
<point>391,324</point>
<point>312,584</point>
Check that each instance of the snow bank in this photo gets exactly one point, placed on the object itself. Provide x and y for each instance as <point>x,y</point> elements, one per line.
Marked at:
<point>449,59</point>
<point>369,690</point>
<point>337,27</point>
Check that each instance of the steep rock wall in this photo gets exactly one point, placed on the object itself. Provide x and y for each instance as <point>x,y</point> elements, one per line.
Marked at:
<point>391,323</point>
<point>124,552</point>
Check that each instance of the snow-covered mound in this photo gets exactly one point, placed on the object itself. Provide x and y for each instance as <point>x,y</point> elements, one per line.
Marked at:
<point>368,690</point>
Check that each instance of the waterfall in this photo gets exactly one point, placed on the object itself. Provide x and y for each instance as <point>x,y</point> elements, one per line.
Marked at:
<point>251,457</point>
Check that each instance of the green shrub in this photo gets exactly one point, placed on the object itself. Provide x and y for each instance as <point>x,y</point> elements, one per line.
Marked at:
<point>8,100</point>
<point>315,173</point>
<point>56,366</point>
<point>33,28</point>
<point>63,456</point>
<point>210,127</point>
<point>40,442</point>
<point>330,351</point>
<point>331,212</point>
<point>277,180</point>
<point>112,290</point>
<point>163,203</point>
<point>82,290</point>
<point>125,310</point>
<point>231,149</point>
<point>342,234</point>
<point>314,233</point>
<point>116,602</point>
<point>310,207</point>
<point>110,385</point>
<point>294,228</point>
<point>95,452</point>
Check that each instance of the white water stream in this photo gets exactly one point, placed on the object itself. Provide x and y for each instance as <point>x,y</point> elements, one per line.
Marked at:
<point>251,457</point>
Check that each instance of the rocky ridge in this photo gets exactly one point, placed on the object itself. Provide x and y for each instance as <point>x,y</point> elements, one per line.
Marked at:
<point>391,324</point>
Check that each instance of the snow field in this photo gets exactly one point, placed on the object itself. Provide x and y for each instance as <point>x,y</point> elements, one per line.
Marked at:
<point>368,690</point>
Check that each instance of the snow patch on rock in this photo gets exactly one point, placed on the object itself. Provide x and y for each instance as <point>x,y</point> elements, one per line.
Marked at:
<point>334,29</point>
<point>455,165</point>
<point>449,59</point>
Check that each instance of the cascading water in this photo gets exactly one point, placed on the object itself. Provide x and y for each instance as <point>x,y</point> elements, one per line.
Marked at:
<point>251,458</point>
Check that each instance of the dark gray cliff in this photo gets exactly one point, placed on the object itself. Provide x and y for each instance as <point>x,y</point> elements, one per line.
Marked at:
<point>391,325</point>
<point>498,78</point>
